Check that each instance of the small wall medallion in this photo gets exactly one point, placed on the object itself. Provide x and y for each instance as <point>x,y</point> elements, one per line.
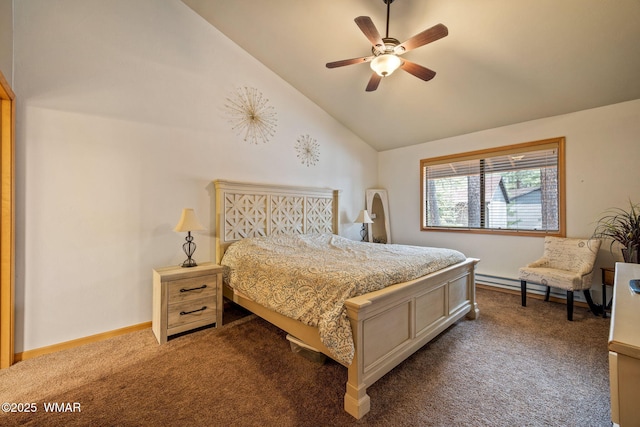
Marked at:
<point>308,150</point>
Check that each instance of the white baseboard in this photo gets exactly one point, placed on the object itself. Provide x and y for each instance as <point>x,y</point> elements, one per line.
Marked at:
<point>514,285</point>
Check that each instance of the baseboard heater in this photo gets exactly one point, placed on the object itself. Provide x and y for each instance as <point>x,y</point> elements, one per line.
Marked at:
<point>532,288</point>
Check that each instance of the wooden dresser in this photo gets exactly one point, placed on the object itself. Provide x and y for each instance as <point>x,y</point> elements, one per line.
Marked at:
<point>186,298</point>
<point>624,348</point>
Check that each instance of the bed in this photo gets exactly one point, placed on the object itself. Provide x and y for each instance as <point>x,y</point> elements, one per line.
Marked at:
<point>386,325</point>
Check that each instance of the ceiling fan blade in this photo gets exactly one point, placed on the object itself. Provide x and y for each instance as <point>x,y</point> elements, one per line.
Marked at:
<point>370,31</point>
<point>418,70</point>
<point>374,81</point>
<point>427,36</point>
<point>344,62</point>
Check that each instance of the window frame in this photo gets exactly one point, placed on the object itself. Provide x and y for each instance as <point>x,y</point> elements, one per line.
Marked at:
<point>559,142</point>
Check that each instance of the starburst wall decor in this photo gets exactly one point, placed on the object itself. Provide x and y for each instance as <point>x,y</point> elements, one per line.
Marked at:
<point>308,150</point>
<point>251,116</point>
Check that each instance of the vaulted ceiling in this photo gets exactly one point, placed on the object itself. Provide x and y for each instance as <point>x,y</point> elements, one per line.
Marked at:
<point>503,62</point>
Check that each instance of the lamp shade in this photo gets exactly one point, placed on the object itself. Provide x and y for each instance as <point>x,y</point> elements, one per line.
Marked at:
<point>188,221</point>
<point>364,218</point>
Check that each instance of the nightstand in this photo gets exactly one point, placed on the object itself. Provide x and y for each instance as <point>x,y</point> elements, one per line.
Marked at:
<point>186,298</point>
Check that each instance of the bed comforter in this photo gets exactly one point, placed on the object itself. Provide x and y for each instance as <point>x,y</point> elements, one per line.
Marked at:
<point>309,277</point>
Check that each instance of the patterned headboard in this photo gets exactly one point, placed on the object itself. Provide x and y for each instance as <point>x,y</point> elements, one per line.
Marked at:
<point>252,210</point>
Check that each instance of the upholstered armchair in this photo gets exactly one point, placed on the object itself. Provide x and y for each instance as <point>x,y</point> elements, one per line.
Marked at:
<point>566,264</point>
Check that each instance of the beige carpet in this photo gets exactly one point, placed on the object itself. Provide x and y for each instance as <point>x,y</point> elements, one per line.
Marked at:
<point>513,366</point>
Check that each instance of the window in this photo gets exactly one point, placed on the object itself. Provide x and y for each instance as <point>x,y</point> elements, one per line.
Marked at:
<point>517,189</point>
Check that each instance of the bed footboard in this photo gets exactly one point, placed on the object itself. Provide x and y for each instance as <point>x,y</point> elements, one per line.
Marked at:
<point>391,324</point>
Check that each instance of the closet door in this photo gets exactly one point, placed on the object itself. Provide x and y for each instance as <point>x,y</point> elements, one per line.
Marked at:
<point>7,223</point>
<point>378,208</point>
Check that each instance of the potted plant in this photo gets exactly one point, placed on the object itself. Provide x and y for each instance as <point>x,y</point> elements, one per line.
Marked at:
<point>622,226</point>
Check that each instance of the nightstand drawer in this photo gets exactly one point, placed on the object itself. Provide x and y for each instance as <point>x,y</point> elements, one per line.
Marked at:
<point>198,310</point>
<point>192,288</point>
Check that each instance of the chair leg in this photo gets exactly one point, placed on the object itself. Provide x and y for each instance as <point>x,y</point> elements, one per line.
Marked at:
<point>546,295</point>
<point>523,292</point>
<point>595,309</point>
<point>570,305</point>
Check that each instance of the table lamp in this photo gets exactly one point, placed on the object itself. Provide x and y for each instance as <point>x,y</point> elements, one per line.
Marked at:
<point>188,222</point>
<point>364,219</point>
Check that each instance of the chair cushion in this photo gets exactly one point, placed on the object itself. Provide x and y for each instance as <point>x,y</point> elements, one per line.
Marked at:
<point>564,253</point>
<point>563,279</point>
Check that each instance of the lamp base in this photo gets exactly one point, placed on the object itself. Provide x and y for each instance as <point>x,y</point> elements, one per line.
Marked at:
<point>364,233</point>
<point>189,248</point>
<point>189,262</point>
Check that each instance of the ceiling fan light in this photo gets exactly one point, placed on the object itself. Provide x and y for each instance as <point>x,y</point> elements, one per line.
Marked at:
<point>385,64</point>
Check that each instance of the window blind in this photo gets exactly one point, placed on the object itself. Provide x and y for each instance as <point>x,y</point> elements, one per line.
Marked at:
<point>513,188</point>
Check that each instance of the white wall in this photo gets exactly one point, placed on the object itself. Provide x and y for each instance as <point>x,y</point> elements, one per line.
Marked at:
<point>602,165</point>
<point>120,125</point>
<point>6,39</point>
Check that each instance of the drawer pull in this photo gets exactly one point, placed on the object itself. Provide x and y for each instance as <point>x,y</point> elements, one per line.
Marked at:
<point>182,313</point>
<point>193,289</point>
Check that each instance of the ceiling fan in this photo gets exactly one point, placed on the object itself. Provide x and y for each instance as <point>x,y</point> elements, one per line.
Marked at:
<point>385,58</point>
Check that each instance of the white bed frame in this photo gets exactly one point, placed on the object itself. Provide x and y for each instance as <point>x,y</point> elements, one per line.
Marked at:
<point>388,325</point>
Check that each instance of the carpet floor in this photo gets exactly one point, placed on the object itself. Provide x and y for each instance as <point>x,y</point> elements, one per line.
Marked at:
<point>513,366</point>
